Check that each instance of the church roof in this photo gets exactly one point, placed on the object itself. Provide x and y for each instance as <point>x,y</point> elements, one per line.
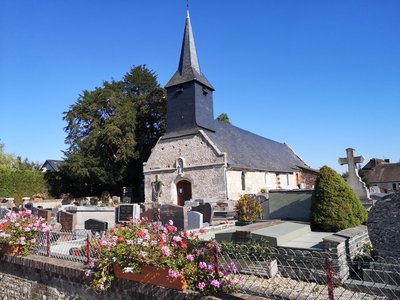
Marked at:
<point>246,150</point>
<point>189,68</point>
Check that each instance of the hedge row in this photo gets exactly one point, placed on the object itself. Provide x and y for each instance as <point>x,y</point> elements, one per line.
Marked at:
<point>21,183</point>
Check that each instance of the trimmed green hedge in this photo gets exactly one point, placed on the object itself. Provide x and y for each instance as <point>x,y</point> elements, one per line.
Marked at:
<point>21,183</point>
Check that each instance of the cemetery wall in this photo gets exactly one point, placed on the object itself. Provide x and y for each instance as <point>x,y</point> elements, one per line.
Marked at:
<point>32,278</point>
<point>290,205</point>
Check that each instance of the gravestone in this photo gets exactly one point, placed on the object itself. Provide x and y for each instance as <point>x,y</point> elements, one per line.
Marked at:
<point>176,213</point>
<point>67,221</point>
<point>96,225</point>
<point>3,212</point>
<point>195,220</point>
<point>150,215</point>
<point>384,226</point>
<point>45,214</point>
<point>128,212</point>
<point>84,213</point>
<point>353,179</point>
<point>206,210</point>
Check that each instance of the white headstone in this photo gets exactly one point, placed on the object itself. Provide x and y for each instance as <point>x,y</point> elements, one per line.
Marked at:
<point>195,220</point>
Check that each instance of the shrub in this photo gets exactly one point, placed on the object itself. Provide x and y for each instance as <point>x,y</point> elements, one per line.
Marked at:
<point>248,209</point>
<point>334,205</point>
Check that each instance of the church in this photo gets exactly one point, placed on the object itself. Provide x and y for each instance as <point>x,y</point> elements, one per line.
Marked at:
<point>200,158</point>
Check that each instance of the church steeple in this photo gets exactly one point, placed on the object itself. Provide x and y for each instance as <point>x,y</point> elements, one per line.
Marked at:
<point>189,68</point>
<point>189,93</point>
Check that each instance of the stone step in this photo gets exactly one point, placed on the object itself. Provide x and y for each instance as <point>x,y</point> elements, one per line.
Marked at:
<point>280,234</point>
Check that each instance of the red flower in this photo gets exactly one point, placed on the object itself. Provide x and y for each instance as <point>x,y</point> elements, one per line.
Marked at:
<point>141,233</point>
<point>121,239</point>
<point>161,243</point>
<point>184,244</point>
<point>171,228</point>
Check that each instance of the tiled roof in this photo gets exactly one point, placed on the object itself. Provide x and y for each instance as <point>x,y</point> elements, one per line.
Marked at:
<point>385,172</point>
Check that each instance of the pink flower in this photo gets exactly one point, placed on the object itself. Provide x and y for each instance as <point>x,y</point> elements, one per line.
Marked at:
<point>33,241</point>
<point>143,253</point>
<point>190,257</point>
<point>211,267</point>
<point>173,274</point>
<point>91,264</point>
<point>233,267</point>
<point>177,238</point>
<point>22,240</point>
<point>215,283</point>
<point>202,265</point>
<point>201,285</point>
<point>166,250</point>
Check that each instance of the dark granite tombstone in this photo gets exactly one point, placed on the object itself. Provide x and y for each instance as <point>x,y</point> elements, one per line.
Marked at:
<point>45,214</point>
<point>149,215</point>
<point>206,210</point>
<point>67,221</point>
<point>176,213</point>
<point>125,213</point>
<point>96,225</point>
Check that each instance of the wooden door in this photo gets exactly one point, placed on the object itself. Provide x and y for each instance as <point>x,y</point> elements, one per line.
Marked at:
<point>184,191</point>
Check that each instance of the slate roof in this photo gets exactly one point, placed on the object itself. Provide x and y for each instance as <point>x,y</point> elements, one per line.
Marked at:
<point>53,164</point>
<point>384,172</point>
<point>189,68</point>
<point>246,150</point>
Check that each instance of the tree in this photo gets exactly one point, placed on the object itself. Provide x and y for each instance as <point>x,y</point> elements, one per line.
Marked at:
<point>334,205</point>
<point>224,118</point>
<point>7,161</point>
<point>111,131</point>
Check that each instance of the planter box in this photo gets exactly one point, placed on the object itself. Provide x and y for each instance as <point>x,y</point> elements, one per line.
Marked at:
<point>12,249</point>
<point>152,275</point>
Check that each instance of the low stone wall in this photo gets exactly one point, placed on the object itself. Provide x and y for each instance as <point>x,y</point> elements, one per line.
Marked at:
<point>38,277</point>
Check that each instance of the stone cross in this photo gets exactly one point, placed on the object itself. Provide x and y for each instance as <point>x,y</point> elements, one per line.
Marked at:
<point>353,179</point>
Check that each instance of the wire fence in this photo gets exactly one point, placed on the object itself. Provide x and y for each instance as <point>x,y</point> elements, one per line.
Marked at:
<point>275,273</point>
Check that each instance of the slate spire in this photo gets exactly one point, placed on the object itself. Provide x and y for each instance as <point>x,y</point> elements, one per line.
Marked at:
<point>189,68</point>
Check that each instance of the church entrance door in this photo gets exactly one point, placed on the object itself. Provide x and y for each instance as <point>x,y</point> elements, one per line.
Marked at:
<point>184,191</point>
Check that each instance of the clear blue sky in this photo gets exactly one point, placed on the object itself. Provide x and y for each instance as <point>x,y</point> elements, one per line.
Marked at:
<point>321,76</point>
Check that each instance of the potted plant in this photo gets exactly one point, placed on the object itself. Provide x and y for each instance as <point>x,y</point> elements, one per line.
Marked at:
<point>19,232</point>
<point>160,255</point>
<point>248,210</point>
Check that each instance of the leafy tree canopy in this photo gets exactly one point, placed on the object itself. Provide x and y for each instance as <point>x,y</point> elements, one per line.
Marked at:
<point>110,133</point>
<point>11,162</point>
<point>224,118</point>
<point>334,205</point>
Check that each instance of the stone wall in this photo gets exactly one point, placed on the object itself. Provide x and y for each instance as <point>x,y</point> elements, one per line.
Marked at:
<point>203,166</point>
<point>36,277</point>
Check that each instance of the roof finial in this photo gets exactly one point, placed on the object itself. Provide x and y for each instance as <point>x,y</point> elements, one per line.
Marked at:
<point>187,5</point>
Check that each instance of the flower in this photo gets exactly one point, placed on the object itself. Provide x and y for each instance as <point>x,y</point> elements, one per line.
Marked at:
<point>22,230</point>
<point>182,255</point>
<point>215,283</point>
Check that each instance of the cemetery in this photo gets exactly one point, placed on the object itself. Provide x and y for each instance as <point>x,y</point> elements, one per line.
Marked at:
<point>222,212</point>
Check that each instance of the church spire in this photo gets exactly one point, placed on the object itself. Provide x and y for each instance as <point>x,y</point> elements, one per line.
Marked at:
<point>189,68</point>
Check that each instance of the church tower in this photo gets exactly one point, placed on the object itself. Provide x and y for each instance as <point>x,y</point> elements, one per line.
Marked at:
<point>189,93</point>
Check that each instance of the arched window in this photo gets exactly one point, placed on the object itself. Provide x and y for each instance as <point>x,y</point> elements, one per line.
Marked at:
<point>243,181</point>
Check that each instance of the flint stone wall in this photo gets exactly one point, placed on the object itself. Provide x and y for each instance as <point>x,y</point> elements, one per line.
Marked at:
<point>37,277</point>
<point>384,227</point>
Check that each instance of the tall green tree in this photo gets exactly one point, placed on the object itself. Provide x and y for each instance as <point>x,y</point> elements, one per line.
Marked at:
<point>110,133</point>
<point>334,205</point>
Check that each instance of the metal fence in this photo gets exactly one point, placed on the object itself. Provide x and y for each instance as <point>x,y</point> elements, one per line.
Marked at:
<point>275,273</point>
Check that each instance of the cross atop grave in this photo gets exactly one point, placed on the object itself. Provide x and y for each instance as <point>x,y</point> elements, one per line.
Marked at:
<point>353,179</point>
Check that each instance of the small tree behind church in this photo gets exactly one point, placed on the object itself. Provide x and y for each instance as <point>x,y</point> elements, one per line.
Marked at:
<point>334,205</point>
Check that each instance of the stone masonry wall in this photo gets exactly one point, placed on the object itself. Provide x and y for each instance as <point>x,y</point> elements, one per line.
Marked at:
<point>36,277</point>
<point>203,166</point>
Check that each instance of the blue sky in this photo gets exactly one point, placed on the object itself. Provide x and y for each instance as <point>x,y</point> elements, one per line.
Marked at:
<point>321,76</point>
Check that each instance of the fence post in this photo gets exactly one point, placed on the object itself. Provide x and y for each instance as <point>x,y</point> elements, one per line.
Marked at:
<point>48,243</point>
<point>328,271</point>
<point>216,261</point>
<point>87,249</point>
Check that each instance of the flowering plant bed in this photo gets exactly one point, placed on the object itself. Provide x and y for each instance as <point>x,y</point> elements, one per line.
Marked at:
<point>19,232</point>
<point>180,257</point>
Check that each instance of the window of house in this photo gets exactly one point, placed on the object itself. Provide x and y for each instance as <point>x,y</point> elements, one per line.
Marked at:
<point>243,181</point>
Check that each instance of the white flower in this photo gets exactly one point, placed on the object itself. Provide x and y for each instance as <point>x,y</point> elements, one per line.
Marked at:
<point>128,270</point>
<point>114,259</point>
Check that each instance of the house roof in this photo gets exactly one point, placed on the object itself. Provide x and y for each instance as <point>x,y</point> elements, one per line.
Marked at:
<point>246,150</point>
<point>189,68</point>
<point>373,162</point>
<point>384,172</point>
<point>53,164</point>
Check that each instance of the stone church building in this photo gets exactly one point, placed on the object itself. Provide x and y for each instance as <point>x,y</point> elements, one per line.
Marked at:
<point>199,157</point>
